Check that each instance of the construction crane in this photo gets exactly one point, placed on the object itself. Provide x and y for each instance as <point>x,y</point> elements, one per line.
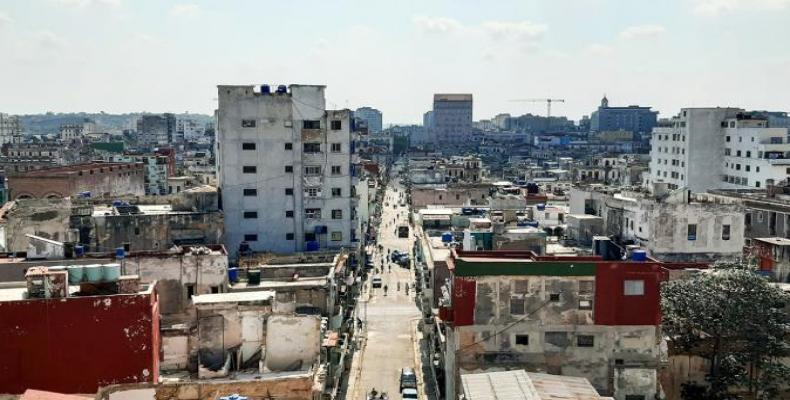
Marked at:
<point>547,101</point>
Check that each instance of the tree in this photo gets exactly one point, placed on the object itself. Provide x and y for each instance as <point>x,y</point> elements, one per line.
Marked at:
<point>735,319</point>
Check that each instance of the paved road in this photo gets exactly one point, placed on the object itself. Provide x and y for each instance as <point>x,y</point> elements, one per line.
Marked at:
<point>390,345</point>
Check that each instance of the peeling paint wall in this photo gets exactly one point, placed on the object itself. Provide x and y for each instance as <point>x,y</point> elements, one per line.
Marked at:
<point>156,231</point>
<point>227,328</point>
<point>77,344</point>
<point>292,342</point>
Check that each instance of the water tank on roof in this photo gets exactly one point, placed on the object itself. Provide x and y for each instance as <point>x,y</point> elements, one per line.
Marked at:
<point>110,272</point>
<point>79,250</point>
<point>76,274</point>
<point>233,274</point>
<point>253,277</point>
<point>120,253</point>
<point>639,255</point>
<point>93,273</point>
<point>533,224</point>
<point>541,207</point>
<point>311,246</point>
<point>266,89</point>
<point>447,237</point>
<point>282,89</point>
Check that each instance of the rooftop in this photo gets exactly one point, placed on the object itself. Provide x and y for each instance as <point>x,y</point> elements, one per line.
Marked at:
<point>17,291</point>
<point>234,297</point>
<point>75,168</point>
<point>522,385</point>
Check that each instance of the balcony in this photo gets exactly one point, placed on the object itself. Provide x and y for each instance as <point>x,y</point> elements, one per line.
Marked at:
<point>312,135</point>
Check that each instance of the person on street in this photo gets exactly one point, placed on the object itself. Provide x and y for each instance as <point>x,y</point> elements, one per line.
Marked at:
<point>385,290</point>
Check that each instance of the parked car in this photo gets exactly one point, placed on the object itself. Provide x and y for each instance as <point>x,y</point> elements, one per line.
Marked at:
<point>376,282</point>
<point>409,394</point>
<point>408,380</point>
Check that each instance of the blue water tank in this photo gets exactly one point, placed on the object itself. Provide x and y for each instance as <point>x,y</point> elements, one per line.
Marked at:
<point>282,89</point>
<point>120,253</point>
<point>541,207</point>
<point>639,255</point>
<point>79,250</point>
<point>110,272</point>
<point>233,274</point>
<point>76,274</point>
<point>312,246</point>
<point>533,224</point>
<point>234,396</point>
<point>93,273</point>
<point>266,89</point>
<point>447,237</point>
<point>117,203</point>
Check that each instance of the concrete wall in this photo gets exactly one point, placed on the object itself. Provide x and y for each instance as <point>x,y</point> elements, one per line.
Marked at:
<point>292,342</point>
<point>48,218</point>
<point>174,272</point>
<point>449,196</point>
<point>156,231</point>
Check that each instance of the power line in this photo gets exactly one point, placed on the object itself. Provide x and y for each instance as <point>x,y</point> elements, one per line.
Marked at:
<point>506,328</point>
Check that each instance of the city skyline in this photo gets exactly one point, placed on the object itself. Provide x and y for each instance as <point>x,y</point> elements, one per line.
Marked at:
<point>170,56</point>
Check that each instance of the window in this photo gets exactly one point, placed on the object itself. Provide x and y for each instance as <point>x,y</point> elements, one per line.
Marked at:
<point>289,146</point>
<point>312,192</point>
<point>586,287</point>
<point>312,147</point>
<point>748,153</point>
<point>757,184</point>
<point>312,213</point>
<point>309,237</point>
<point>215,289</point>
<point>312,170</point>
<point>190,290</point>
<point>585,304</point>
<point>727,152</point>
<point>249,169</point>
<point>250,237</point>
<point>289,236</point>
<point>725,232</point>
<point>335,170</point>
<point>250,192</point>
<point>520,287</point>
<point>336,236</point>
<point>748,167</point>
<point>337,214</point>
<point>289,169</point>
<point>516,306</point>
<point>336,147</point>
<point>554,297</point>
<point>311,124</point>
<point>692,231</point>
<point>289,191</point>
<point>522,340</point>
<point>250,214</point>
<point>738,153</point>
<point>337,192</point>
<point>248,123</point>
<point>248,146</point>
<point>559,339</point>
<point>727,138</point>
<point>289,214</point>
<point>634,287</point>
<point>337,125</point>
<point>585,341</point>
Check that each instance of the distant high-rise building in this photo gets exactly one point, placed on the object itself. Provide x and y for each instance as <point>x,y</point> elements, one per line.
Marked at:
<point>284,170</point>
<point>427,120</point>
<point>156,130</point>
<point>502,121</point>
<point>188,129</point>
<point>452,116</point>
<point>10,129</point>
<point>372,116</point>
<point>632,118</point>
<point>718,148</point>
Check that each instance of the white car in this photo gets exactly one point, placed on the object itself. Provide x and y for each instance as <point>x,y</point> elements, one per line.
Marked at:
<point>409,394</point>
<point>376,282</point>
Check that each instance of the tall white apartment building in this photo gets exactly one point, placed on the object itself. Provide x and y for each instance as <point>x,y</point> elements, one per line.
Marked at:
<point>284,169</point>
<point>718,148</point>
<point>372,116</point>
<point>10,129</point>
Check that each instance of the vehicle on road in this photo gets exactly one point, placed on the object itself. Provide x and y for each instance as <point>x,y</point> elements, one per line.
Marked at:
<point>376,282</point>
<point>409,394</point>
<point>408,380</point>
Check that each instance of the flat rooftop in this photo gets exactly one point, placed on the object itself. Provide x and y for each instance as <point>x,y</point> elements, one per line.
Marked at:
<point>19,293</point>
<point>521,385</point>
<point>75,168</point>
<point>234,297</point>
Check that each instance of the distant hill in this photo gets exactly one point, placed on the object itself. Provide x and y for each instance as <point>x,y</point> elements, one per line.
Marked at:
<point>38,124</point>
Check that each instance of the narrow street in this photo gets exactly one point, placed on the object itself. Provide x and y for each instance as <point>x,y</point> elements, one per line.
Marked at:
<point>391,318</point>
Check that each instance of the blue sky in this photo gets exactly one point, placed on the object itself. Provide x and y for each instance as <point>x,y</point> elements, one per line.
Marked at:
<point>140,55</point>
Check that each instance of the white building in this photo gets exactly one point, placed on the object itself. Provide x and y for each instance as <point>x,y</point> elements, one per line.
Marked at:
<point>718,148</point>
<point>10,129</point>
<point>372,116</point>
<point>188,130</point>
<point>284,169</point>
<point>452,116</point>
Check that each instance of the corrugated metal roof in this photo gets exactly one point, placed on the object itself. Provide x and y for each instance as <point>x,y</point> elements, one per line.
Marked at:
<point>520,385</point>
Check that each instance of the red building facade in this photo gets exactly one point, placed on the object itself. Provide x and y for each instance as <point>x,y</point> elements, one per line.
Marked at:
<point>78,344</point>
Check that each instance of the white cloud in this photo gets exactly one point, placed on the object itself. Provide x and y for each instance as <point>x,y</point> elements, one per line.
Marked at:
<point>49,40</point>
<point>437,24</point>
<point>86,3</point>
<point>716,7</point>
<point>597,49</point>
<point>5,19</point>
<point>524,30</point>
<point>640,31</point>
<point>185,10</point>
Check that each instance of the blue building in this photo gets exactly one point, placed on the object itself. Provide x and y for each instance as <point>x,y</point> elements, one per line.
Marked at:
<point>632,118</point>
